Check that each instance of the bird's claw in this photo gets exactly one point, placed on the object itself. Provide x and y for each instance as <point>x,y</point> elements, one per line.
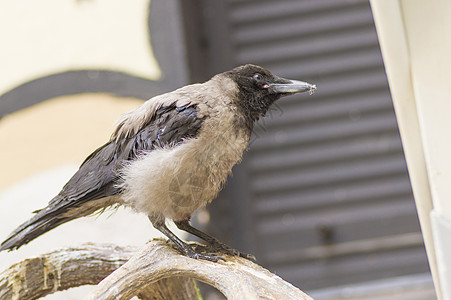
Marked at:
<point>195,254</point>
<point>223,248</point>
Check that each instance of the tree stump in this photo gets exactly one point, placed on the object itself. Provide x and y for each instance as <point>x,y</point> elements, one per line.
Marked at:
<point>157,271</point>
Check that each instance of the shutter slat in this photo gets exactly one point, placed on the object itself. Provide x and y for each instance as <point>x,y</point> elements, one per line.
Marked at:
<point>251,12</point>
<point>361,148</point>
<point>299,220</point>
<point>295,27</point>
<point>306,112</point>
<point>302,198</point>
<point>287,50</point>
<point>326,131</point>
<point>354,268</point>
<point>330,174</point>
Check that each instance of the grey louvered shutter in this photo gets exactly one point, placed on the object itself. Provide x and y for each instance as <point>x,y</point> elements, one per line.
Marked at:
<point>323,197</point>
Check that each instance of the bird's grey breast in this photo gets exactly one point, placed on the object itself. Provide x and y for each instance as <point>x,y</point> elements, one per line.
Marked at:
<point>174,181</point>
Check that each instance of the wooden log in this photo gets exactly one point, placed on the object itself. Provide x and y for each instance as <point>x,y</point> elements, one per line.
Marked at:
<point>37,277</point>
<point>237,278</point>
<point>155,272</point>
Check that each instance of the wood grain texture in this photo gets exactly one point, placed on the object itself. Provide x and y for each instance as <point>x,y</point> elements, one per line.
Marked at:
<point>155,272</point>
<point>37,277</point>
<point>237,278</point>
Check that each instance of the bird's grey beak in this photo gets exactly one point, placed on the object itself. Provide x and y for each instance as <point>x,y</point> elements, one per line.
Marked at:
<point>292,87</point>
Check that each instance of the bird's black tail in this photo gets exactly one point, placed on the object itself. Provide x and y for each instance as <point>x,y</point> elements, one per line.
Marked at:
<point>43,221</point>
<point>59,211</point>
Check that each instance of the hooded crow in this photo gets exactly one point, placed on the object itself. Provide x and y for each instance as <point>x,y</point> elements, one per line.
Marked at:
<point>168,157</point>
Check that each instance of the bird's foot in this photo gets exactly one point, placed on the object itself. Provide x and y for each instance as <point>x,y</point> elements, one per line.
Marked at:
<point>197,251</point>
<point>220,247</point>
<point>214,245</point>
<point>230,251</point>
<point>205,256</point>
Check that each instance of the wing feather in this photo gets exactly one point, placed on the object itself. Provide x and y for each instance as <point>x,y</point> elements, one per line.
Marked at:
<point>98,175</point>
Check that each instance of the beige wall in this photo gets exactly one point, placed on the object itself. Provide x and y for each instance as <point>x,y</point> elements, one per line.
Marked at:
<point>40,38</point>
<point>59,131</point>
<point>51,36</point>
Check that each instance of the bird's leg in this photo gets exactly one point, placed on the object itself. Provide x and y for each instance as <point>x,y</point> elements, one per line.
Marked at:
<point>181,245</point>
<point>216,245</point>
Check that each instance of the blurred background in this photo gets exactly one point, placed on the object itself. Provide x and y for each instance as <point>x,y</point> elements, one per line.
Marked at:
<point>322,198</point>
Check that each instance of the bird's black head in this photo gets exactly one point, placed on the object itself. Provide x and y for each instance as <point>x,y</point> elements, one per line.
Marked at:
<point>258,89</point>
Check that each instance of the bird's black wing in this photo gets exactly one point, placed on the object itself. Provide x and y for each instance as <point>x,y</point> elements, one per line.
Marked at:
<point>98,176</point>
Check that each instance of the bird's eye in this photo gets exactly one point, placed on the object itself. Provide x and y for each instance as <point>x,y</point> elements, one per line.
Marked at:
<point>258,77</point>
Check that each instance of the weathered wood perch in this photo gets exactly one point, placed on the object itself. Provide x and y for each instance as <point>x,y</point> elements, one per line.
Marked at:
<point>157,271</point>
